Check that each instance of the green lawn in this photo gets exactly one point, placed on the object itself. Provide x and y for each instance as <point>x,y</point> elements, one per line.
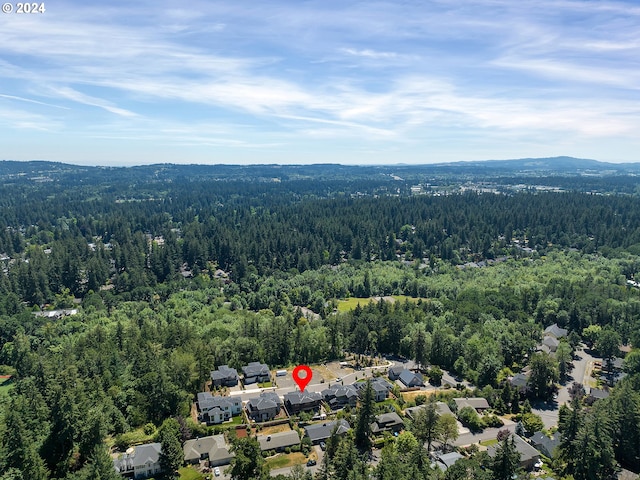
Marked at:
<point>265,385</point>
<point>351,303</point>
<point>188,473</point>
<point>6,384</point>
<point>488,443</point>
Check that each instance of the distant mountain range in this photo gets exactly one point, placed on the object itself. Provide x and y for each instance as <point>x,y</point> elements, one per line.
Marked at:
<point>525,166</point>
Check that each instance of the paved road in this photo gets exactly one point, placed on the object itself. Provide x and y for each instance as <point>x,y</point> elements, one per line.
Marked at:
<point>549,411</point>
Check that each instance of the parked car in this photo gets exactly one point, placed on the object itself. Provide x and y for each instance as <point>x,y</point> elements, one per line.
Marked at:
<point>311,463</point>
<point>216,471</point>
<point>323,446</point>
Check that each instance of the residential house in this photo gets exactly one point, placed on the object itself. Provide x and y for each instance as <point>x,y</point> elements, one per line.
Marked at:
<point>339,396</point>
<point>213,449</point>
<point>394,372</point>
<point>319,432</point>
<point>143,462</point>
<point>297,402</point>
<point>441,407</point>
<point>387,422</point>
<point>551,343</point>
<point>478,403</point>
<point>519,381</point>
<point>256,372</point>
<point>278,441</point>
<point>529,456</point>
<point>555,331</point>
<point>410,379</point>
<point>379,386</point>
<point>264,407</point>
<point>224,376</point>
<point>217,409</point>
<point>446,460</point>
<point>545,445</point>
<point>598,394</point>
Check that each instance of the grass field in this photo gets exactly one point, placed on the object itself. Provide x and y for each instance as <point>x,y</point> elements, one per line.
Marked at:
<point>188,473</point>
<point>6,384</point>
<point>351,303</point>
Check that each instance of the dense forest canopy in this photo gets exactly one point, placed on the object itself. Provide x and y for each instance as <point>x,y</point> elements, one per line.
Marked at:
<point>175,271</point>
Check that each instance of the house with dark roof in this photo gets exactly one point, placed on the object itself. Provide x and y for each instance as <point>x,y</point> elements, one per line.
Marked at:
<point>598,394</point>
<point>143,462</point>
<point>213,450</point>
<point>529,456</point>
<point>297,402</point>
<point>264,407</point>
<point>255,372</point>
<point>545,445</point>
<point>319,432</point>
<point>278,441</point>
<point>394,372</point>
<point>555,331</point>
<point>519,381</point>
<point>224,376</point>
<point>478,403</point>
<point>214,409</point>
<point>379,386</point>
<point>410,379</point>
<point>387,422</point>
<point>339,396</point>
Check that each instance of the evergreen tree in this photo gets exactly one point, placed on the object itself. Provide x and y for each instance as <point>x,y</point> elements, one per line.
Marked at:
<point>365,417</point>
<point>506,460</point>
<point>171,455</point>
<point>425,425</point>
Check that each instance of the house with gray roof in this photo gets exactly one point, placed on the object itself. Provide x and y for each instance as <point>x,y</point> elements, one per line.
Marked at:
<point>143,462</point>
<point>255,372</point>
<point>339,396</point>
<point>519,380</point>
<point>479,404</point>
<point>264,407</point>
<point>306,401</point>
<point>379,386</point>
<point>278,441</point>
<point>214,409</point>
<point>213,450</point>
<point>387,422</point>
<point>598,394</point>
<point>319,432</point>
<point>529,456</point>
<point>441,407</point>
<point>394,372</point>
<point>410,379</point>
<point>555,331</point>
<point>224,376</point>
<point>446,460</point>
<point>551,343</point>
<point>545,445</point>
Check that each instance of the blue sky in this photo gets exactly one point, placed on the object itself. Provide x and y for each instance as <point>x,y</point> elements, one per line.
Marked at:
<point>354,82</point>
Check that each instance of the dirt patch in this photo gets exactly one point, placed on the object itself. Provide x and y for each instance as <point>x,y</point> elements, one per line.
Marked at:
<point>329,375</point>
<point>241,432</point>
<point>275,429</point>
<point>411,396</point>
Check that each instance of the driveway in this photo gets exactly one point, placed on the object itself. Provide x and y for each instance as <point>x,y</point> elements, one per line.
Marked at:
<point>486,434</point>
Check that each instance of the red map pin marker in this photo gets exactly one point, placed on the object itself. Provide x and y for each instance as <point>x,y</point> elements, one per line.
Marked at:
<point>302,376</point>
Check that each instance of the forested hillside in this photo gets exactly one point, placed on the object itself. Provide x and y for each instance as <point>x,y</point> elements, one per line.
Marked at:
<point>172,277</point>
